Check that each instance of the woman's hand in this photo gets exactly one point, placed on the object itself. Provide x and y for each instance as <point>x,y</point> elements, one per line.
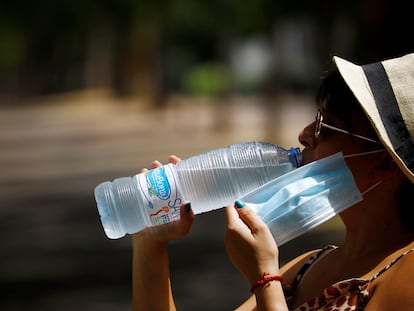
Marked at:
<point>171,159</point>
<point>249,243</point>
<point>253,251</point>
<point>161,234</point>
<point>151,287</point>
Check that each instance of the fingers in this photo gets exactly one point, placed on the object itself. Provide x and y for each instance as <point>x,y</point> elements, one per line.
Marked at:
<point>155,164</point>
<point>240,211</point>
<point>232,216</point>
<point>249,217</point>
<point>249,243</point>
<point>173,159</point>
<point>175,229</point>
<point>182,226</point>
<point>186,217</point>
<point>236,225</point>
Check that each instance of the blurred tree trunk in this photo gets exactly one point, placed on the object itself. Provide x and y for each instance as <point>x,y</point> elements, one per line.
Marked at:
<point>138,62</point>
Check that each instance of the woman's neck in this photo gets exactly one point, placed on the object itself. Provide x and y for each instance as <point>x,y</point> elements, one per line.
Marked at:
<point>374,225</point>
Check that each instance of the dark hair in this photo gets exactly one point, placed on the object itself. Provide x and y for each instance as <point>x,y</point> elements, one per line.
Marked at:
<point>341,102</point>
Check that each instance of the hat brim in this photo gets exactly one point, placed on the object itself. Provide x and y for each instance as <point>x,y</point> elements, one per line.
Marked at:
<point>357,81</point>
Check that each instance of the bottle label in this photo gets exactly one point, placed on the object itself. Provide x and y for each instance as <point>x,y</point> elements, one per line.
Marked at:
<point>162,197</point>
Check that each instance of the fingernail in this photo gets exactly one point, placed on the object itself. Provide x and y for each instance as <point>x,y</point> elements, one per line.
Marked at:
<point>239,204</point>
<point>187,207</point>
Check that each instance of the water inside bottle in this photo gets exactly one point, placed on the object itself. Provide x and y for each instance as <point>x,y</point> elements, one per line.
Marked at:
<point>210,189</point>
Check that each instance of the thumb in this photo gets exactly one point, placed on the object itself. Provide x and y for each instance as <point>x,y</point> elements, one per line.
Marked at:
<point>186,214</point>
<point>186,218</point>
<point>176,228</point>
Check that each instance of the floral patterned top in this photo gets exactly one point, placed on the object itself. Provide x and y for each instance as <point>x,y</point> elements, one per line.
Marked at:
<point>347,295</point>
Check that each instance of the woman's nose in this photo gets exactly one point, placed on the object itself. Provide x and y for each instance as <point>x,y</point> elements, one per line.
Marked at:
<point>307,136</point>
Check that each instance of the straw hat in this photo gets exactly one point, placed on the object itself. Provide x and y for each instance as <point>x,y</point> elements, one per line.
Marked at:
<point>385,91</point>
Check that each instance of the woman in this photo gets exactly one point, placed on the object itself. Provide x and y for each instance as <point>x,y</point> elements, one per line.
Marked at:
<point>368,114</point>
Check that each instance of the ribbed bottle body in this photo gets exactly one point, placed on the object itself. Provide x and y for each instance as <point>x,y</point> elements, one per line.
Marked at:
<point>209,181</point>
<point>216,178</point>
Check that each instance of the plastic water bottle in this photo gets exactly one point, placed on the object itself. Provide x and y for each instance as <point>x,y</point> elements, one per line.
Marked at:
<point>209,181</point>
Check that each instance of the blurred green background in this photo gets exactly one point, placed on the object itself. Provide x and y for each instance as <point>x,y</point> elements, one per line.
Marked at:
<point>212,47</point>
<point>94,90</point>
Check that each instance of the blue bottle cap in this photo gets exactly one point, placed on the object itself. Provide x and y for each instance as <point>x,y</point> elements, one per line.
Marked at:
<point>296,154</point>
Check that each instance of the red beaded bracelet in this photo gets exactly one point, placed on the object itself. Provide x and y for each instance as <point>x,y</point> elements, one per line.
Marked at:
<point>266,278</point>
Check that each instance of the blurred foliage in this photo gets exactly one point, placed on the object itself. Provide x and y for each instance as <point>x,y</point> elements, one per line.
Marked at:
<point>208,80</point>
<point>150,46</point>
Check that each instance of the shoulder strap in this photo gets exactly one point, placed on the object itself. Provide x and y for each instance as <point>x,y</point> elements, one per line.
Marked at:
<point>307,265</point>
<point>390,264</point>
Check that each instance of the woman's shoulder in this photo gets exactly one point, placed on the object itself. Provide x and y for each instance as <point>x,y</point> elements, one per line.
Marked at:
<point>393,289</point>
<point>401,268</point>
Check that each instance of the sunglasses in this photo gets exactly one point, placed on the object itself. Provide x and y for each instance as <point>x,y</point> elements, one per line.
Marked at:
<point>319,124</point>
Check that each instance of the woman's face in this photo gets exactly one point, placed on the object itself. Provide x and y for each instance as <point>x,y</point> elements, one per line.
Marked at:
<point>331,141</point>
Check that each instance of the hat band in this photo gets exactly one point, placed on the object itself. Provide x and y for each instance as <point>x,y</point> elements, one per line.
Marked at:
<point>389,111</point>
